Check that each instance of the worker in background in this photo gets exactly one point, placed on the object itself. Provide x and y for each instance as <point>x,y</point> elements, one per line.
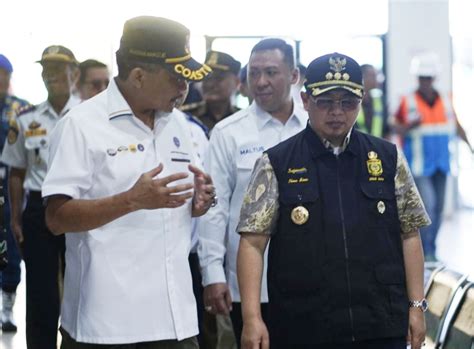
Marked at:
<point>219,89</point>
<point>94,78</point>
<point>26,153</point>
<point>372,118</point>
<point>426,123</point>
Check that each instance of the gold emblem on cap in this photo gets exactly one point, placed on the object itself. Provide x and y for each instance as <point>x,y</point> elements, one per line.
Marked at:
<point>338,65</point>
<point>374,165</point>
<point>299,215</point>
<point>381,207</point>
<point>53,50</point>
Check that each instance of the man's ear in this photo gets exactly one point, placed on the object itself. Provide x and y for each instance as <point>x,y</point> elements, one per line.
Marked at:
<point>236,83</point>
<point>136,77</point>
<point>305,99</point>
<point>295,76</point>
<point>75,75</point>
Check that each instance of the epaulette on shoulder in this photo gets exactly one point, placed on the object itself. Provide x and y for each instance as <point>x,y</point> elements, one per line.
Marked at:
<point>25,109</point>
<point>198,122</point>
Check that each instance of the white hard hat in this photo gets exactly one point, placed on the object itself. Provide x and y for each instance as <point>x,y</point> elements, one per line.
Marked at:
<point>425,64</point>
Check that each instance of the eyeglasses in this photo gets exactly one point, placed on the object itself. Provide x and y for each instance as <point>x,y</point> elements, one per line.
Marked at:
<point>98,84</point>
<point>346,104</point>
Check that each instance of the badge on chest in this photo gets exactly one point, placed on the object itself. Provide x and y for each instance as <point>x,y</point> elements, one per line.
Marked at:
<point>299,215</point>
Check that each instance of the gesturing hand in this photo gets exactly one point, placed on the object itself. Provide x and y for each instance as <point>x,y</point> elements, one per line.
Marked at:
<point>150,193</point>
<point>204,192</point>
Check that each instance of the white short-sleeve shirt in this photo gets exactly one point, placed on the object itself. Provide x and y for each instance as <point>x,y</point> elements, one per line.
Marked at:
<point>129,280</point>
<point>29,149</point>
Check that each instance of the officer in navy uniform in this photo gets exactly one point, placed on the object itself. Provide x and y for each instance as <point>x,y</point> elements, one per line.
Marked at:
<point>345,263</point>
<point>26,153</point>
<point>218,89</point>
<point>10,276</point>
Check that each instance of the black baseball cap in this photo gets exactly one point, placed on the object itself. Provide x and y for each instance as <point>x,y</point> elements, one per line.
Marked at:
<point>334,71</point>
<point>160,40</point>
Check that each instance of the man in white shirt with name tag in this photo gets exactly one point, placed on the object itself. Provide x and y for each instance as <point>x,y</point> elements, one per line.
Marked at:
<point>119,186</point>
<point>236,143</point>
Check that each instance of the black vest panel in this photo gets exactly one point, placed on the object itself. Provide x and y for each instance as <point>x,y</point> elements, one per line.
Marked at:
<point>340,276</point>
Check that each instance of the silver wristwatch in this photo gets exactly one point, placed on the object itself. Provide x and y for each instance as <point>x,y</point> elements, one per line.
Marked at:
<point>422,304</point>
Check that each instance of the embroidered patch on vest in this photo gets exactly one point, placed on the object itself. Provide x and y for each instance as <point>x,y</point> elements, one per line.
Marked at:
<point>374,166</point>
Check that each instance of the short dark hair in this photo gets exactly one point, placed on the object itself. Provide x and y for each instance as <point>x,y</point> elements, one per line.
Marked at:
<point>88,64</point>
<point>125,64</point>
<point>277,44</point>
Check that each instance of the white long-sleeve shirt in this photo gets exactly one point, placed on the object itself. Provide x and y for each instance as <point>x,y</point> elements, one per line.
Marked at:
<point>236,143</point>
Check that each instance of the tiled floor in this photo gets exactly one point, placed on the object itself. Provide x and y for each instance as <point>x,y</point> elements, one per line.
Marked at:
<point>455,249</point>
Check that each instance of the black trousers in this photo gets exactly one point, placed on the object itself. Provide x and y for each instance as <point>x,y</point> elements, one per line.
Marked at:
<point>383,343</point>
<point>237,322</point>
<point>44,259</point>
<point>198,290</point>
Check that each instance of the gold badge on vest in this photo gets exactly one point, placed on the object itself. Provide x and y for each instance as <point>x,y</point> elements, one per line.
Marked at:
<point>299,215</point>
<point>374,166</point>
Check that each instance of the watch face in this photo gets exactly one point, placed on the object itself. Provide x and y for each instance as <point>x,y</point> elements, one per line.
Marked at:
<point>424,305</point>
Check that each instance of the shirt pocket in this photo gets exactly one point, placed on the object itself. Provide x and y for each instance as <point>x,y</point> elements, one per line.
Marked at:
<point>246,163</point>
<point>247,156</point>
<point>295,245</point>
<point>37,147</point>
<point>302,198</point>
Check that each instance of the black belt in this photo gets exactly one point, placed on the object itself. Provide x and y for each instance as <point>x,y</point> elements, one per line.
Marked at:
<point>35,195</point>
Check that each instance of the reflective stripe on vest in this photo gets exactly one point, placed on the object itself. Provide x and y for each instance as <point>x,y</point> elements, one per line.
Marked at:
<point>435,121</point>
<point>377,118</point>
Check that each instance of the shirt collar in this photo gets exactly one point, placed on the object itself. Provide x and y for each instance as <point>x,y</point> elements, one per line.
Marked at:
<point>338,150</point>
<point>263,117</point>
<point>116,103</point>
<point>117,106</point>
<point>321,146</point>
<point>46,107</point>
